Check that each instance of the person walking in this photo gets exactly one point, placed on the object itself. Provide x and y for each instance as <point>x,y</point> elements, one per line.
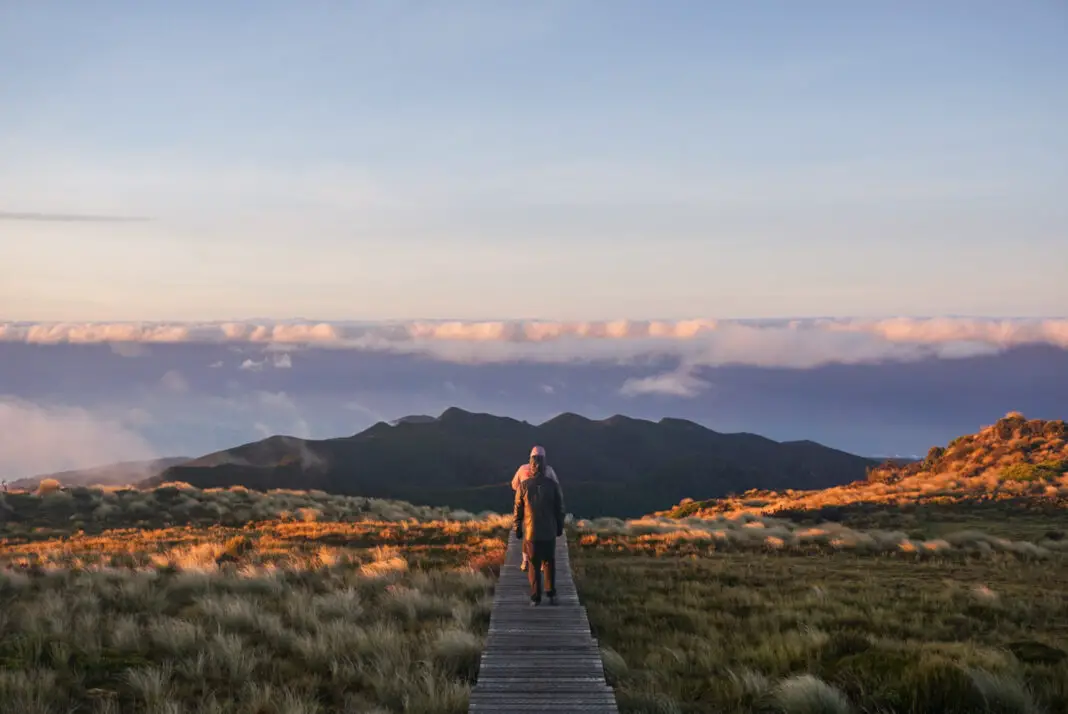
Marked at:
<point>522,474</point>
<point>539,521</point>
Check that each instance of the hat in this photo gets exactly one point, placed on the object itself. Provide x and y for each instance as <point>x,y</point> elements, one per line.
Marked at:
<point>537,451</point>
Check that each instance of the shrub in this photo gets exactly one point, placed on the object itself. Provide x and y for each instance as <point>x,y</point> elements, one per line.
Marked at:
<point>1029,473</point>
<point>615,667</point>
<point>933,456</point>
<point>47,486</point>
<point>806,694</point>
<point>458,652</point>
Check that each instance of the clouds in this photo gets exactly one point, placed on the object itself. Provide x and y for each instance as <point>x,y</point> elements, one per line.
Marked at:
<point>875,407</point>
<point>173,381</point>
<point>42,438</point>
<point>699,342</point>
<point>283,413</point>
<point>679,383</point>
<point>278,361</point>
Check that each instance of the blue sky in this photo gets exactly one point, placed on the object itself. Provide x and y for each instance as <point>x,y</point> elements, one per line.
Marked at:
<point>559,160</point>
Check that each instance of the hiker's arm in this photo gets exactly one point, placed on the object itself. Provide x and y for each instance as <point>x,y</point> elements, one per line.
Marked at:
<point>517,512</point>
<point>515,479</point>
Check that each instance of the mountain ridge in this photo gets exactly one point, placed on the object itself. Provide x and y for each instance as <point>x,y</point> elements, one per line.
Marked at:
<point>618,466</point>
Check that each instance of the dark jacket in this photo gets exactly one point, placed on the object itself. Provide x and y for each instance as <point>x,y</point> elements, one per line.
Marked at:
<point>539,509</point>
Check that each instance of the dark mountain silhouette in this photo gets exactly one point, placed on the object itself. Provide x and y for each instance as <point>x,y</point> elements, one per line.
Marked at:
<point>617,466</point>
<point>118,474</point>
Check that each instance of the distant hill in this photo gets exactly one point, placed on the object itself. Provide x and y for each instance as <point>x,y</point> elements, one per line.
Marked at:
<point>1016,459</point>
<point>617,466</point>
<point>118,474</point>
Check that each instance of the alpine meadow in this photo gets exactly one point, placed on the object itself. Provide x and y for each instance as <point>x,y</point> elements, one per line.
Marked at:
<point>504,357</point>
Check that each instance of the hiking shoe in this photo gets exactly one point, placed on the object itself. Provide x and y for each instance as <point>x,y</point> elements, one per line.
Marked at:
<point>535,603</point>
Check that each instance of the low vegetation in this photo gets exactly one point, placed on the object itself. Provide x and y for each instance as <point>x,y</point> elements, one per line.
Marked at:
<point>327,611</point>
<point>746,532</point>
<point>748,613</point>
<point>934,586</point>
<point>53,510</point>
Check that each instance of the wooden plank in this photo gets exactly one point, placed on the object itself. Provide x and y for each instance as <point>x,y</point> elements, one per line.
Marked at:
<point>539,659</point>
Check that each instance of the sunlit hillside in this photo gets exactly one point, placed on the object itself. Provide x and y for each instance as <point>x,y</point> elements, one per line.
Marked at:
<point>1014,462</point>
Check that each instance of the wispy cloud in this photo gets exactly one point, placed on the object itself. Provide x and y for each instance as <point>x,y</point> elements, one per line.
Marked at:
<point>278,361</point>
<point>680,383</point>
<point>283,406</point>
<point>68,217</point>
<point>129,349</point>
<point>251,365</point>
<point>173,381</point>
<point>698,342</point>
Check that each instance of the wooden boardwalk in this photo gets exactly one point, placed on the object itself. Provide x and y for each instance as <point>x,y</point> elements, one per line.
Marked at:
<point>540,659</point>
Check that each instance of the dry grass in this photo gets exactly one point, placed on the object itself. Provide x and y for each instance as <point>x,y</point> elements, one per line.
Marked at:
<point>54,511</point>
<point>741,531</point>
<point>362,614</point>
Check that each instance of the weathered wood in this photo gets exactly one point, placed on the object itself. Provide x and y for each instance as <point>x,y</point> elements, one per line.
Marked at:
<point>540,659</point>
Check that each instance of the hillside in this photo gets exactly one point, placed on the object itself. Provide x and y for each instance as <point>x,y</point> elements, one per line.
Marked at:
<point>617,466</point>
<point>125,472</point>
<point>1015,461</point>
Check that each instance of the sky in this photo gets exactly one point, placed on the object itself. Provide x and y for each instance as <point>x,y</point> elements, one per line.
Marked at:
<point>556,160</point>
<point>834,220</point>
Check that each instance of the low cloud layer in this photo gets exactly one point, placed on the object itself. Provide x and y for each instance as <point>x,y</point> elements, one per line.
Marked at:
<point>81,405</point>
<point>783,343</point>
<point>38,439</point>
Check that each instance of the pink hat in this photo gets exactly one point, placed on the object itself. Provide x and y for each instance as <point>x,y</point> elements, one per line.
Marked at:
<point>537,451</point>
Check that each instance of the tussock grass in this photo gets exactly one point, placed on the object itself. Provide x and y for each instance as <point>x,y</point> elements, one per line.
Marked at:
<point>702,624</point>
<point>284,616</point>
<point>53,510</point>
<point>745,531</point>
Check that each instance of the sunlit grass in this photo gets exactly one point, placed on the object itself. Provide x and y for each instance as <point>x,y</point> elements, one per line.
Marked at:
<point>52,511</point>
<point>383,610</point>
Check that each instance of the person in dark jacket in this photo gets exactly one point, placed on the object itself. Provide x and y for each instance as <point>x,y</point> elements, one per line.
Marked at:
<point>526,471</point>
<point>539,521</point>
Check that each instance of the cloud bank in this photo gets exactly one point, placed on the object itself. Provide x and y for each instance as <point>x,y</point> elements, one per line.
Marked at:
<point>799,343</point>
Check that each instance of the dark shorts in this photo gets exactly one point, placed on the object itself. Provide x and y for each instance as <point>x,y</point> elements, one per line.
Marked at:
<point>540,549</point>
